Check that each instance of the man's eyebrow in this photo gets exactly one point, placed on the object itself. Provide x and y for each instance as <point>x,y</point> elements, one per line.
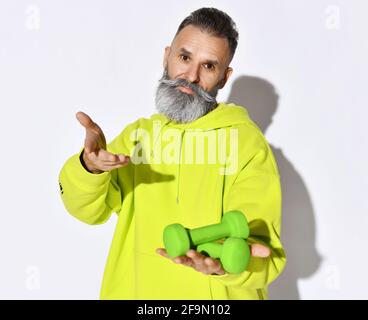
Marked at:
<point>188,53</point>
<point>185,51</point>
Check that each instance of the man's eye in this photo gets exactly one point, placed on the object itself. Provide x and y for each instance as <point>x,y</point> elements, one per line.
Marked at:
<point>210,66</point>
<point>184,57</point>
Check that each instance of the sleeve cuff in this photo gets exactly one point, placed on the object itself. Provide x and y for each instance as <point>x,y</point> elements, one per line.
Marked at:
<point>75,171</point>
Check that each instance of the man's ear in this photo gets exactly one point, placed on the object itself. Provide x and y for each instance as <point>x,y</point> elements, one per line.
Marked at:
<point>227,75</point>
<point>166,56</point>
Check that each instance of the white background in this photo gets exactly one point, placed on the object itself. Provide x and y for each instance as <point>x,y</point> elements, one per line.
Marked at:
<point>300,70</point>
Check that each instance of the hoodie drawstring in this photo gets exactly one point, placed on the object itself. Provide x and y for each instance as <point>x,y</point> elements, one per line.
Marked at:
<point>181,144</point>
<point>179,160</point>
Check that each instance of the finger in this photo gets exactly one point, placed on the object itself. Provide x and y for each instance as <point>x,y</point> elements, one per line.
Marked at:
<point>198,258</point>
<point>112,167</point>
<point>184,260</point>
<point>84,119</point>
<point>162,252</point>
<point>220,272</point>
<point>108,167</point>
<point>214,266</point>
<point>212,263</point>
<point>259,250</point>
<point>118,158</point>
<point>107,157</point>
<point>94,134</point>
<point>97,154</point>
<point>180,260</point>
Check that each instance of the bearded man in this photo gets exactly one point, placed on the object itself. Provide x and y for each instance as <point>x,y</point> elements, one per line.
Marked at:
<point>190,163</point>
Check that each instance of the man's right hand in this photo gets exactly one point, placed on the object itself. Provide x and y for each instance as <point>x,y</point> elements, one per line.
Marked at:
<point>95,158</point>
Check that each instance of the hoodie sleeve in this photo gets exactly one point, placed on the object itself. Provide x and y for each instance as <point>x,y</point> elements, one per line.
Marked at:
<point>256,191</point>
<point>92,198</point>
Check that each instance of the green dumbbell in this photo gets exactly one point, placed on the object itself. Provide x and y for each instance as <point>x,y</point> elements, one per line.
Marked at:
<point>178,239</point>
<point>234,253</point>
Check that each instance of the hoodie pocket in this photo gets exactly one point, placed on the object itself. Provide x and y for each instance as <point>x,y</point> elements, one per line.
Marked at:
<point>158,277</point>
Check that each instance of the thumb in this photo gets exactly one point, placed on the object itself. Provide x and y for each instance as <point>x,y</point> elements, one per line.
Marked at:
<point>95,139</point>
<point>84,119</point>
<point>259,250</point>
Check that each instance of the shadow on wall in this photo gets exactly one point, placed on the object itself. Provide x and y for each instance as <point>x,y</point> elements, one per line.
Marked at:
<point>298,230</point>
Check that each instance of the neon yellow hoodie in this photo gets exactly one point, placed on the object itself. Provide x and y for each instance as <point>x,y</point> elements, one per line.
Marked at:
<point>172,180</point>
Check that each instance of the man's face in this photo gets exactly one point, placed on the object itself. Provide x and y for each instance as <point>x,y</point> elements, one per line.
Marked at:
<point>195,68</point>
<point>198,57</point>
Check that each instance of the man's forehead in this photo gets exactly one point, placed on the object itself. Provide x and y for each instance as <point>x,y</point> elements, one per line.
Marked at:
<point>194,40</point>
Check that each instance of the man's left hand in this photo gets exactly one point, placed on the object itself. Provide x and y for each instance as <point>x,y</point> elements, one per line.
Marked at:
<point>208,265</point>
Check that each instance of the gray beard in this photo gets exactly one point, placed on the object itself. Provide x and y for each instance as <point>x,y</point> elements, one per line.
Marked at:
<point>182,107</point>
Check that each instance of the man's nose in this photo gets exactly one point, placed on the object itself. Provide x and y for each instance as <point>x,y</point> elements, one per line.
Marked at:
<point>192,74</point>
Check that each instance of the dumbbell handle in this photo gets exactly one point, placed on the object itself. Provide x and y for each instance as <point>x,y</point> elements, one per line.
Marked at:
<point>213,249</point>
<point>208,233</point>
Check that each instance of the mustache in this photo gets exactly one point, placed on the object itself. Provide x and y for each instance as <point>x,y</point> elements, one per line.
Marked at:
<point>174,83</point>
<point>180,106</point>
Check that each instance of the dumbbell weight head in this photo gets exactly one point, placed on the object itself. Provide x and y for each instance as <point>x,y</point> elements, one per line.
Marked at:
<point>237,224</point>
<point>234,253</point>
<point>176,240</point>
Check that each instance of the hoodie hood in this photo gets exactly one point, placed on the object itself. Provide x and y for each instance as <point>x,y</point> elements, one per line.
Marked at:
<point>223,115</point>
